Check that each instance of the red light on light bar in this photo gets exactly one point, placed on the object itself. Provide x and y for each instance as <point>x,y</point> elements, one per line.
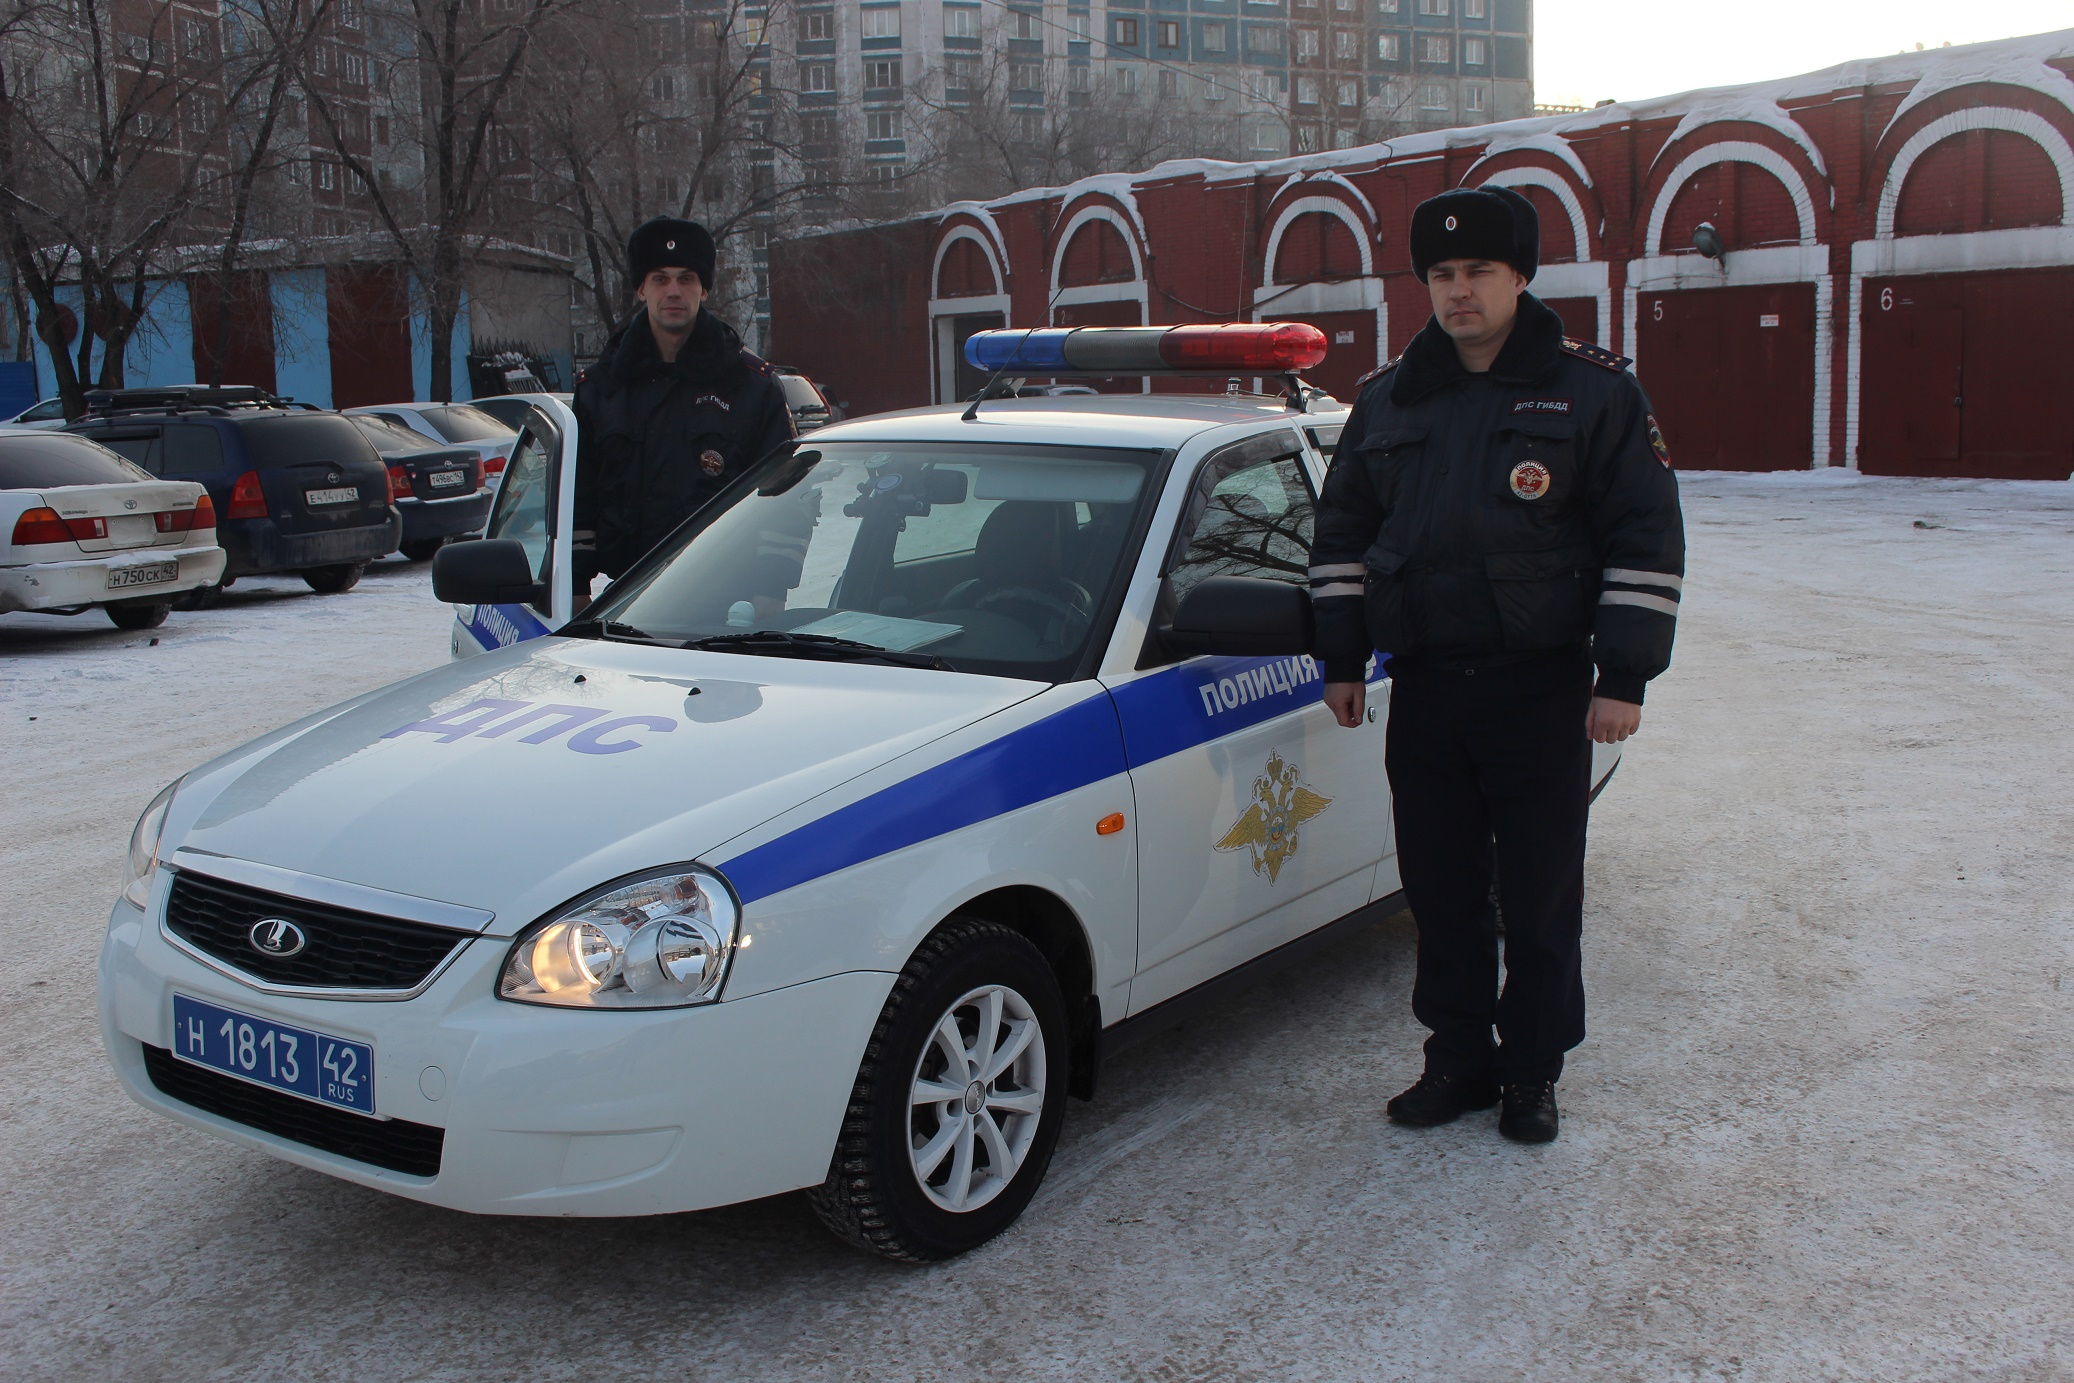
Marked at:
<point>1270,347</point>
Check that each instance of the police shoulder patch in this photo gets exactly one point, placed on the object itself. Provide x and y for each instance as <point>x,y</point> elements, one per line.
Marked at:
<point>1597,355</point>
<point>756,362</point>
<point>1388,365</point>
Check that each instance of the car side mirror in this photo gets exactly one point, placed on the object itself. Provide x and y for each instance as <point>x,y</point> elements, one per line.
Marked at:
<point>1242,616</point>
<point>489,571</point>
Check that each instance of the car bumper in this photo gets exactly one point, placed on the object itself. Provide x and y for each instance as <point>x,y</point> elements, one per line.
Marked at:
<point>444,518</point>
<point>65,585</point>
<point>544,1111</point>
<point>258,545</point>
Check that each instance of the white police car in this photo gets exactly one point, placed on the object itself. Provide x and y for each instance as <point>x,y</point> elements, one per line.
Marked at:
<point>831,848</point>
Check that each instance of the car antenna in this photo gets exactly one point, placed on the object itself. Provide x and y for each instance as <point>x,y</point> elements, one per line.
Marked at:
<point>972,409</point>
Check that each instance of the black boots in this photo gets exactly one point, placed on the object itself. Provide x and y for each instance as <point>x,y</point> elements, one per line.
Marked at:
<point>1529,1115</point>
<point>1441,1100</point>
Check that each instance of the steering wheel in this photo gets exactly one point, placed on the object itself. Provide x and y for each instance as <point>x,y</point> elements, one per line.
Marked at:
<point>1068,613</point>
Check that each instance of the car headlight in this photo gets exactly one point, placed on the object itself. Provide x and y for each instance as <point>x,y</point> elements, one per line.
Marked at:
<point>144,841</point>
<point>662,941</point>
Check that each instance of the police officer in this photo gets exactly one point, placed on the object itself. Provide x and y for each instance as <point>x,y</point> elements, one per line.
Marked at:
<point>673,409</point>
<point>1502,522</point>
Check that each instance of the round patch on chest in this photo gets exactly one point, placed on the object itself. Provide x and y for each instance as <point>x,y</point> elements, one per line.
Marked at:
<point>713,463</point>
<point>1530,480</point>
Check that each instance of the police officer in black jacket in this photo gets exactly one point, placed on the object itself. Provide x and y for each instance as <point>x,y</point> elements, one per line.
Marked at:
<point>1502,522</point>
<point>672,411</point>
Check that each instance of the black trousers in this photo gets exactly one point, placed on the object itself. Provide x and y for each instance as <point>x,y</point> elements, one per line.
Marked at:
<point>1496,753</point>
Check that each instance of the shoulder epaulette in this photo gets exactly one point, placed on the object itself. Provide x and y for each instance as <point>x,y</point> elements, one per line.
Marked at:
<point>1597,355</point>
<point>755,362</point>
<point>1388,365</point>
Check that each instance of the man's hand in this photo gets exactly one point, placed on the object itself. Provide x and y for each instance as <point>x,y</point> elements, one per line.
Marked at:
<point>1607,722</point>
<point>1345,700</point>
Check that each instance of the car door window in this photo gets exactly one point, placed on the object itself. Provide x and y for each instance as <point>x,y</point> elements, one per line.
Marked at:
<point>1252,519</point>
<point>522,513</point>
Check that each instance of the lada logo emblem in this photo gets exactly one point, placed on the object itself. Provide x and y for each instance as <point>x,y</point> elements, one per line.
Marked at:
<point>277,937</point>
<point>1268,827</point>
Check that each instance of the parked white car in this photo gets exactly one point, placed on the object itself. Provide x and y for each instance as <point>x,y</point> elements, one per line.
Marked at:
<point>49,413</point>
<point>453,424</point>
<point>837,843</point>
<point>87,529</point>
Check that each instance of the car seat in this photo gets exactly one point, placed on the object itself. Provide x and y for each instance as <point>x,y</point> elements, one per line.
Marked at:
<point>1020,558</point>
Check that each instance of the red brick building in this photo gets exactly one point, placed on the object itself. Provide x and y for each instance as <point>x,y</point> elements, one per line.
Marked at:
<point>1896,293</point>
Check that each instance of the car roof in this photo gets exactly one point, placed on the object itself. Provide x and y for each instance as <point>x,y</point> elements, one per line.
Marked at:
<point>1143,420</point>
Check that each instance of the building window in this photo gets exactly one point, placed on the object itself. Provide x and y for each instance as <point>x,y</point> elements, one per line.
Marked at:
<point>817,127</point>
<point>663,87</point>
<point>1307,91</point>
<point>1169,82</point>
<point>1473,52</point>
<point>1435,49</point>
<point>1432,6</point>
<point>1126,31</point>
<point>1268,137</point>
<point>1343,45</point>
<point>1388,47</point>
<point>381,130</point>
<point>960,21</point>
<point>1169,34</point>
<point>194,39</point>
<point>327,175</point>
<point>819,24</point>
<point>882,74</point>
<point>1472,9</point>
<point>1076,28</point>
<point>885,176</point>
<point>1386,6</point>
<point>1306,43</point>
<point>349,14</point>
<point>960,74</point>
<point>820,76</point>
<point>1127,81</point>
<point>1213,90</point>
<point>882,124</point>
<point>1433,96</point>
<point>1029,24</point>
<point>1216,37</point>
<point>1476,98</point>
<point>1026,76</point>
<point>1349,93</point>
<point>1076,79</point>
<point>1260,39</point>
<point>883,22</point>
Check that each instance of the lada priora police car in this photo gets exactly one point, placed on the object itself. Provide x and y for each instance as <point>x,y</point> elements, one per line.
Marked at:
<point>831,848</point>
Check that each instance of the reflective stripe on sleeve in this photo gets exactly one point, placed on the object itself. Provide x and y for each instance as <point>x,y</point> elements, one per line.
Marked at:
<point>1647,602</point>
<point>1332,569</point>
<point>1336,588</point>
<point>1645,578</point>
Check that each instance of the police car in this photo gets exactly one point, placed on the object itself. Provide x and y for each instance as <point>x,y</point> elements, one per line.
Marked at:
<point>943,755</point>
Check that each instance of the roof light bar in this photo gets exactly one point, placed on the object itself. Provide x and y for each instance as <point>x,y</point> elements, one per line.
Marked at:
<point>1251,347</point>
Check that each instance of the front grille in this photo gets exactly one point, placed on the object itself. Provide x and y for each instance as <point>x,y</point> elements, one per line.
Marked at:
<point>413,1149</point>
<point>343,950</point>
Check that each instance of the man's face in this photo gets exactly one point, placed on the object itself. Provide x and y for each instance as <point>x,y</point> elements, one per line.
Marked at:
<point>1474,299</point>
<point>672,297</point>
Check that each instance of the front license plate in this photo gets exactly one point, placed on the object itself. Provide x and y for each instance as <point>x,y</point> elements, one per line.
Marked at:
<point>147,575</point>
<point>329,1070</point>
<point>447,480</point>
<point>345,494</point>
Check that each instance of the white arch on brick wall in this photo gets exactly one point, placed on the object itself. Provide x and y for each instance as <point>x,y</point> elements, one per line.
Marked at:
<point>1527,175</point>
<point>2029,124</point>
<point>1134,288</point>
<point>1331,206</point>
<point>943,247</point>
<point>1732,151</point>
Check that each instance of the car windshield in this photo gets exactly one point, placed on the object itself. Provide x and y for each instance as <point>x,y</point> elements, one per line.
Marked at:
<point>800,392</point>
<point>54,459</point>
<point>390,437</point>
<point>460,423</point>
<point>997,558</point>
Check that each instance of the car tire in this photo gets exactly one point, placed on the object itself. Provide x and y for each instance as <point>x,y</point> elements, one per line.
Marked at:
<point>333,580</point>
<point>903,1163</point>
<point>138,616</point>
<point>201,597</point>
<point>422,549</point>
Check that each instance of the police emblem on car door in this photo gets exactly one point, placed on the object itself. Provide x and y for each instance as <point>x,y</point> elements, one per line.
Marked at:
<point>1270,826</point>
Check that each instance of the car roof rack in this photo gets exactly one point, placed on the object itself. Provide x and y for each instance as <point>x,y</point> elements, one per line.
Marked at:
<point>186,398</point>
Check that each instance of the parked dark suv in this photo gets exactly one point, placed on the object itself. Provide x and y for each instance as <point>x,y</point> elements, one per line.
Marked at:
<point>296,488</point>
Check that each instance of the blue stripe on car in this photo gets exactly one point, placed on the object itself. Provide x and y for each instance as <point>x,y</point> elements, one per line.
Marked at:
<point>500,626</point>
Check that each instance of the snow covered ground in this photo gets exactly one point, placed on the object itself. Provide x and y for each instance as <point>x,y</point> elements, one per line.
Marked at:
<point>1823,1128</point>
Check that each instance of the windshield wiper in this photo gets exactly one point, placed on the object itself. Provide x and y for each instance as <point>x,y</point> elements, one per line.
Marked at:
<point>779,641</point>
<point>614,630</point>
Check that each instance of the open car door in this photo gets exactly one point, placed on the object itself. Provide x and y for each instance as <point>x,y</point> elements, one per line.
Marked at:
<point>536,506</point>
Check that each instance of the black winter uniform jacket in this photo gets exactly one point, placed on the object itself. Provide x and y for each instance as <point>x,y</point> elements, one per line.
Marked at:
<point>1483,518</point>
<point>656,439</point>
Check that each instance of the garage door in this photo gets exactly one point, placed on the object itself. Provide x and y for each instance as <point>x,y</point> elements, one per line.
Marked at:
<point>1950,383</point>
<point>1731,374</point>
<point>1349,349</point>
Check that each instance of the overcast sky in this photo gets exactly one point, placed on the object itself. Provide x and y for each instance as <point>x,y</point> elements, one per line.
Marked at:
<point>1586,51</point>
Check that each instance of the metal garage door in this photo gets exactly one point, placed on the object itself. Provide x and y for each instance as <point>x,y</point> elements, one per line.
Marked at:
<point>1731,374</point>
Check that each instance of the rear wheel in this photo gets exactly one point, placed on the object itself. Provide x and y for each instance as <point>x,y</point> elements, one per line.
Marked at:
<point>332,580</point>
<point>958,1102</point>
<point>138,616</point>
<point>421,549</point>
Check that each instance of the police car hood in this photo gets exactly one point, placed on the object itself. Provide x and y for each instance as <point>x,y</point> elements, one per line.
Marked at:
<point>514,781</point>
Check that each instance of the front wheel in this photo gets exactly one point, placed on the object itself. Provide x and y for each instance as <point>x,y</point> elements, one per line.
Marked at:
<point>958,1102</point>
<point>333,580</point>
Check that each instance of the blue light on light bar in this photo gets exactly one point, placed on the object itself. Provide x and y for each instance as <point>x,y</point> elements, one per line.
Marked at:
<point>1038,350</point>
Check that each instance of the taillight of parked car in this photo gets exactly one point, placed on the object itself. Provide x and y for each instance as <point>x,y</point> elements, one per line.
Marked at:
<point>399,484</point>
<point>247,499</point>
<point>493,464</point>
<point>43,526</point>
<point>203,515</point>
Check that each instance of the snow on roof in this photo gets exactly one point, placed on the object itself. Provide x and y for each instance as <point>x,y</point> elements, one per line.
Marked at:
<point>2019,61</point>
